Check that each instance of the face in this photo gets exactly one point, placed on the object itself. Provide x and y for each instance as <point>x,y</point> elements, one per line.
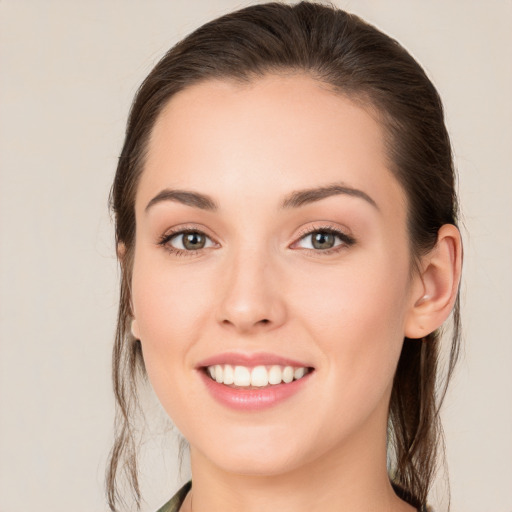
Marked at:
<point>270,233</point>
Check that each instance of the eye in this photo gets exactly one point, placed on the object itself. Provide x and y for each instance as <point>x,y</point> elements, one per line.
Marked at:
<point>186,241</point>
<point>321,240</point>
<point>324,239</point>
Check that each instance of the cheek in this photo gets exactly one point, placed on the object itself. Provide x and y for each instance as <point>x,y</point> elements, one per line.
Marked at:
<point>166,298</point>
<point>356,320</point>
<point>167,307</point>
<point>356,314</point>
<point>361,297</point>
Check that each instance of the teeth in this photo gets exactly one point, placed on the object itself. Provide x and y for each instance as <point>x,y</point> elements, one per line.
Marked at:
<point>242,376</point>
<point>287,374</point>
<point>299,373</point>
<point>259,376</point>
<point>275,375</point>
<point>229,375</point>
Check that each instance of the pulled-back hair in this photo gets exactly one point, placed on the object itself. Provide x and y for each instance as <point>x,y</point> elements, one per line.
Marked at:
<point>358,61</point>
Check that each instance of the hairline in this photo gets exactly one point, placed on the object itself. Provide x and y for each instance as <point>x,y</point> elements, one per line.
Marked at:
<point>362,98</point>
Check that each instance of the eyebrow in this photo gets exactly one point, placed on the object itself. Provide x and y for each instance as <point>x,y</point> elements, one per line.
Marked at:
<point>296,199</point>
<point>311,195</point>
<point>194,199</point>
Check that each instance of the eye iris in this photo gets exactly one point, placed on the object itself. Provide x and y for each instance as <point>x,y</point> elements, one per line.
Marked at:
<point>323,240</point>
<point>193,241</point>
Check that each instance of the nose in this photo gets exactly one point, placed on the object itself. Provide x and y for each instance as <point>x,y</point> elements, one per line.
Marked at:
<point>251,295</point>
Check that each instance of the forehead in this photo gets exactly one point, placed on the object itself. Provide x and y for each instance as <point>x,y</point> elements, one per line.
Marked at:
<point>270,135</point>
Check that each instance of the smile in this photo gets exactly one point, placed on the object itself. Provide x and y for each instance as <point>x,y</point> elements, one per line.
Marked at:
<point>256,377</point>
<point>246,396</point>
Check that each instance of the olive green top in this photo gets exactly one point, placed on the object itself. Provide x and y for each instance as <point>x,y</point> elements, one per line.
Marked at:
<point>174,504</point>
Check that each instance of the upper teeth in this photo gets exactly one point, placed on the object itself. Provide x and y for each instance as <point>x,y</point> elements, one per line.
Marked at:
<point>258,376</point>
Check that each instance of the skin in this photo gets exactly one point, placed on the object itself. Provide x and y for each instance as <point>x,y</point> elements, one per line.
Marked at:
<point>260,285</point>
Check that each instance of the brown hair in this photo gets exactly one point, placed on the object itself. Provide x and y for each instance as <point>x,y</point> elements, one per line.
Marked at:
<point>358,61</point>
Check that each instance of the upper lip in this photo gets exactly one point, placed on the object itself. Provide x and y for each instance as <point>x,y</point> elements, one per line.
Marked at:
<point>254,359</point>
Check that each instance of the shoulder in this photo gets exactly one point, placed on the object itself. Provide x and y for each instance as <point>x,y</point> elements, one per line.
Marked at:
<point>174,504</point>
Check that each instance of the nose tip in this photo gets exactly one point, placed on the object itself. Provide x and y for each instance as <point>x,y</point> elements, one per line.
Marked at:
<point>250,298</point>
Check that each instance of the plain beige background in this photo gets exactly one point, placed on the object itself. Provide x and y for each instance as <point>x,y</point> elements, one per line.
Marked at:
<point>68,71</point>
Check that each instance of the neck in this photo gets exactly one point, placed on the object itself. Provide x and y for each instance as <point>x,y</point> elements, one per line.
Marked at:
<point>350,477</point>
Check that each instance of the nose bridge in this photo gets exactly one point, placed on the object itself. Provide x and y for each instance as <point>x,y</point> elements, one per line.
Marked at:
<point>250,297</point>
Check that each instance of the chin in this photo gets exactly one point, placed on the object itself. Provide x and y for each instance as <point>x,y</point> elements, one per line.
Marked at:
<point>263,453</point>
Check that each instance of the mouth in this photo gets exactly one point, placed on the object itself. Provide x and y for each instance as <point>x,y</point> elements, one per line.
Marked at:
<point>255,388</point>
<point>255,381</point>
<point>255,377</point>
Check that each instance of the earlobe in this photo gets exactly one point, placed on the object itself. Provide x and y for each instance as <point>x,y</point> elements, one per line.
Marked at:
<point>434,297</point>
<point>120,250</point>
<point>135,329</point>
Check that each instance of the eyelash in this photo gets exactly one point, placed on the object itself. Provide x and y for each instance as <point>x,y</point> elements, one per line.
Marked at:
<point>346,240</point>
<point>167,237</point>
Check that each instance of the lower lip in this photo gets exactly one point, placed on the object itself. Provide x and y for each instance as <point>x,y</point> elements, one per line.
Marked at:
<point>253,399</point>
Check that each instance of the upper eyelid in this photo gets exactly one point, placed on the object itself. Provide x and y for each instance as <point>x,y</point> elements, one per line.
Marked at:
<point>169,233</point>
<point>323,227</point>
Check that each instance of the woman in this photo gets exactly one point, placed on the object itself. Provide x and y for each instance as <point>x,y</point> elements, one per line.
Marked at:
<point>286,226</point>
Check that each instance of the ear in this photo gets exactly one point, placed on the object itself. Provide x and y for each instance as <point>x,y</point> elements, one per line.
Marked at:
<point>135,329</point>
<point>437,284</point>
<point>120,250</point>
